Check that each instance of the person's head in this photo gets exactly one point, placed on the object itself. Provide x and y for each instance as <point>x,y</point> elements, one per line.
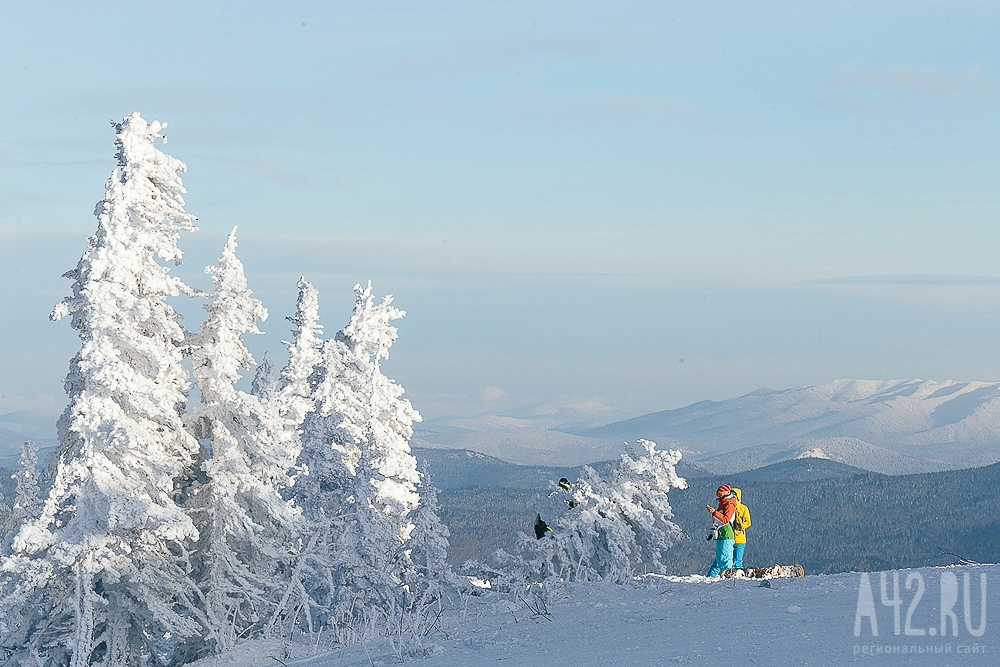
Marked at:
<point>723,491</point>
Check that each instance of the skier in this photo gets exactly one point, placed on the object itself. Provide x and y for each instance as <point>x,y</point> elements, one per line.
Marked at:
<point>741,521</point>
<point>723,529</point>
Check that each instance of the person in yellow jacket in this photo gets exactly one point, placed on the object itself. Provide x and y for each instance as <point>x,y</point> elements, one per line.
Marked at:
<point>741,521</point>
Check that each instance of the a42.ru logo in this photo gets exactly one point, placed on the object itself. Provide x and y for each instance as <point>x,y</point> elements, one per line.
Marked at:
<point>919,618</point>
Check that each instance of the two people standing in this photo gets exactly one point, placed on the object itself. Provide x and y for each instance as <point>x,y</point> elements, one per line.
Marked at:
<point>732,518</point>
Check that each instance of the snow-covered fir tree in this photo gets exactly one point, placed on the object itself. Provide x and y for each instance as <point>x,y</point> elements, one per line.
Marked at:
<point>27,494</point>
<point>247,527</point>
<point>264,385</point>
<point>620,526</point>
<point>373,413</point>
<point>320,489</point>
<point>429,574</point>
<point>357,415</point>
<point>101,577</point>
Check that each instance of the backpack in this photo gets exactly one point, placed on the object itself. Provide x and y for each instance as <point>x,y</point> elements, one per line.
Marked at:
<point>737,521</point>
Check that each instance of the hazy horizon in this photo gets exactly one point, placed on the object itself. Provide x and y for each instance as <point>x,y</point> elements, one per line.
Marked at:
<point>641,204</point>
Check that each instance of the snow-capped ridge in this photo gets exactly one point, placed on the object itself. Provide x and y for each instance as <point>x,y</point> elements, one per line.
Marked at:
<point>814,453</point>
<point>949,423</point>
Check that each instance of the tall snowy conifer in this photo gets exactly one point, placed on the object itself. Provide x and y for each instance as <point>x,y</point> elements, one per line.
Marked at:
<point>247,527</point>
<point>307,597</point>
<point>100,578</point>
<point>358,421</point>
<point>373,414</point>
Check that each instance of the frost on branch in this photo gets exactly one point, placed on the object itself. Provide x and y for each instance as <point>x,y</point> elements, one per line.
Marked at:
<point>100,576</point>
<point>429,574</point>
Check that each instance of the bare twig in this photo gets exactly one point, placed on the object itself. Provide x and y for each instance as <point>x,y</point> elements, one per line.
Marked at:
<point>961,560</point>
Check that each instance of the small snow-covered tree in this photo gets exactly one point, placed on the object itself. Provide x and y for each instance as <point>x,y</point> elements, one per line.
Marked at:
<point>263,385</point>
<point>27,498</point>
<point>247,526</point>
<point>100,577</point>
<point>429,573</point>
<point>620,526</point>
<point>27,495</point>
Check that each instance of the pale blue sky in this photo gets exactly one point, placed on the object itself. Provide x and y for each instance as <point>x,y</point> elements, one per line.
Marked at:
<point>568,198</point>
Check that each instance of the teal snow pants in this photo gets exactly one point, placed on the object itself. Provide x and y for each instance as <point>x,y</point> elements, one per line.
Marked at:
<point>738,554</point>
<point>723,557</point>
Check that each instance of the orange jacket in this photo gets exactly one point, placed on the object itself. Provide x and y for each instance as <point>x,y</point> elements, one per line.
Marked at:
<point>726,511</point>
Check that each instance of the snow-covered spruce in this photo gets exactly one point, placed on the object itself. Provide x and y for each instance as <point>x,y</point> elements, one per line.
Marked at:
<point>298,382</point>
<point>619,528</point>
<point>247,527</point>
<point>359,425</point>
<point>429,574</point>
<point>263,386</point>
<point>101,577</point>
<point>319,488</point>
<point>373,412</point>
<point>27,494</point>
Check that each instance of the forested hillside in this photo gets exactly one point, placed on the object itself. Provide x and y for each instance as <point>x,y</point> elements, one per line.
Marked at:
<point>862,521</point>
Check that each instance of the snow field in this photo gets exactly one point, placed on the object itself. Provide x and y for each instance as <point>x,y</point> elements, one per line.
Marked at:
<point>681,621</point>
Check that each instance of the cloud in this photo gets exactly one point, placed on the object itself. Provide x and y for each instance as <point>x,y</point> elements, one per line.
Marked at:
<point>493,394</point>
<point>912,280</point>
<point>928,81</point>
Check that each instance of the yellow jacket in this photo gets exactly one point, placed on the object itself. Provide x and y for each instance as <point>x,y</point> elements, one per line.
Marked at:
<point>741,518</point>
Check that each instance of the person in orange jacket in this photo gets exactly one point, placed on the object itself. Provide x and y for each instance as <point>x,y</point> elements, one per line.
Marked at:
<point>741,521</point>
<point>723,516</point>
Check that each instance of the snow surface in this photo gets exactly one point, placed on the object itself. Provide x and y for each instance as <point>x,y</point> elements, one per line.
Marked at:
<point>679,620</point>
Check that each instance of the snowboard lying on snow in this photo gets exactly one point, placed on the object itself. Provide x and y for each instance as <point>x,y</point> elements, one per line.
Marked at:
<point>772,572</point>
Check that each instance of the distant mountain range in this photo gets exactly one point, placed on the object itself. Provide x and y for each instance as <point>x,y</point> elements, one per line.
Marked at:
<point>890,426</point>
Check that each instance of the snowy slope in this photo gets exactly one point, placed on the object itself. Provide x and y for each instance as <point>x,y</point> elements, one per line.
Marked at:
<point>849,451</point>
<point>956,423</point>
<point>689,621</point>
<point>533,435</point>
<point>524,446</point>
